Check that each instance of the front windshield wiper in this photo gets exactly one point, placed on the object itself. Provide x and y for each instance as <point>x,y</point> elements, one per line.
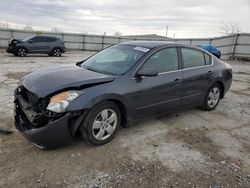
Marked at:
<point>94,70</point>
<point>79,63</point>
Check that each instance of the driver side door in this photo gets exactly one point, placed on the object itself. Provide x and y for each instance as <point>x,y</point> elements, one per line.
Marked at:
<point>159,93</point>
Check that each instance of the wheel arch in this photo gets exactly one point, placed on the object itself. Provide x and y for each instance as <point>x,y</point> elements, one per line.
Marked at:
<point>18,47</point>
<point>123,110</point>
<point>113,98</point>
<point>118,100</point>
<point>56,47</point>
<point>222,85</point>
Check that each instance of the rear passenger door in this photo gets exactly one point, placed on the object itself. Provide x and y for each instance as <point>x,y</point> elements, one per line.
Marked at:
<point>197,76</point>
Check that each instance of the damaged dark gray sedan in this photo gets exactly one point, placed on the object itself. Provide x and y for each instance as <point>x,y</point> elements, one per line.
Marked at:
<point>130,80</point>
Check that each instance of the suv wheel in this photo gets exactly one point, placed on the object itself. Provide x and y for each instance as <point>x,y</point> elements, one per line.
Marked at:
<point>212,97</point>
<point>21,52</point>
<point>57,52</point>
<point>101,123</point>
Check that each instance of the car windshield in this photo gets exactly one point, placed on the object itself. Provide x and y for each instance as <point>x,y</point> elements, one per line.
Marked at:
<point>24,40</point>
<point>115,60</point>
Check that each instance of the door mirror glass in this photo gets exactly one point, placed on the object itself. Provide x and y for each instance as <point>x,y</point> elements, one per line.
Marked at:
<point>148,72</point>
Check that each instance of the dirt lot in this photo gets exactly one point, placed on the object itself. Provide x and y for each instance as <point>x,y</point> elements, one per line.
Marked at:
<point>191,148</point>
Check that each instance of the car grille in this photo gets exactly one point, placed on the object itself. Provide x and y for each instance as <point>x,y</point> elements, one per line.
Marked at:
<point>37,104</point>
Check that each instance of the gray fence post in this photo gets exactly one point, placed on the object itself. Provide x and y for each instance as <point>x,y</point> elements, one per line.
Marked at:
<point>210,41</point>
<point>83,42</point>
<point>234,46</point>
<point>62,37</point>
<point>103,41</point>
<point>11,32</point>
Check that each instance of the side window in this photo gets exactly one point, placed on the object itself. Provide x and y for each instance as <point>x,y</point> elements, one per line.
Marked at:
<point>50,39</point>
<point>38,39</point>
<point>208,59</point>
<point>34,39</point>
<point>192,58</point>
<point>163,61</point>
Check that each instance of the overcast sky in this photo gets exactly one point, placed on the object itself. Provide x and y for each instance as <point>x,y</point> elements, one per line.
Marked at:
<point>185,18</point>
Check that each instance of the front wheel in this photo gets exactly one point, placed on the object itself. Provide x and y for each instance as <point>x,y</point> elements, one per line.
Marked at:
<point>212,98</point>
<point>21,52</point>
<point>101,123</point>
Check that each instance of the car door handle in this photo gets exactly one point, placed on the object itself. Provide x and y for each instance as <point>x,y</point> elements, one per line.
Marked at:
<point>210,72</point>
<point>176,81</point>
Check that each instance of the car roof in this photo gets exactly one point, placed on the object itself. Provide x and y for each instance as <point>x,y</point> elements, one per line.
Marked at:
<point>150,44</point>
<point>45,36</point>
<point>158,44</point>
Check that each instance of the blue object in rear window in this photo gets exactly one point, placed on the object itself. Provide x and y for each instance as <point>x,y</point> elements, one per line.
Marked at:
<point>213,50</point>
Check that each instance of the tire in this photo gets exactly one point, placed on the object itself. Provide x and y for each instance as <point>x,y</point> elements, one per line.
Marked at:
<point>212,98</point>
<point>56,52</point>
<point>21,52</point>
<point>107,118</point>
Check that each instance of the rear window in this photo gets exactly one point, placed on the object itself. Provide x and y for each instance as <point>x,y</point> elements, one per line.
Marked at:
<point>49,39</point>
<point>192,58</point>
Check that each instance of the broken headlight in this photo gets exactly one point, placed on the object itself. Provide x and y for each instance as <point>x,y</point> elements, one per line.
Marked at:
<point>58,103</point>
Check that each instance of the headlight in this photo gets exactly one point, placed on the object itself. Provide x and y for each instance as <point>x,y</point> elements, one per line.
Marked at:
<point>60,102</point>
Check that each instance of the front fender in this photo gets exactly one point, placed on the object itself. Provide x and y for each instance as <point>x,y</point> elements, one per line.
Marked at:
<point>86,102</point>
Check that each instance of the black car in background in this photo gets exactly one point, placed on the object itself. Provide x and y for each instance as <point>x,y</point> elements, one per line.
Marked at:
<point>127,81</point>
<point>40,44</point>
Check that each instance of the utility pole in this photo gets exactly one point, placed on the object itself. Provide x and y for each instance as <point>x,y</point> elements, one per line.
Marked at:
<point>167,31</point>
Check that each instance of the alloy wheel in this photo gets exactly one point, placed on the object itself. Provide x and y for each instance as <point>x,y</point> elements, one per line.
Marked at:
<point>21,52</point>
<point>104,124</point>
<point>213,97</point>
<point>57,52</point>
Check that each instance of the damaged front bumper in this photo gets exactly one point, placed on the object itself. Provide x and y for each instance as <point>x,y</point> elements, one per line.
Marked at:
<point>52,133</point>
<point>11,49</point>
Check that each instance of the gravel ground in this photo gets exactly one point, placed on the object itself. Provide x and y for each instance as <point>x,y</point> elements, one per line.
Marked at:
<point>190,148</point>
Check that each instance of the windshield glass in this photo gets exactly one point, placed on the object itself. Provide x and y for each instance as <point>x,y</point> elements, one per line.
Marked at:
<point>115,60</point>
<point>24,40</point>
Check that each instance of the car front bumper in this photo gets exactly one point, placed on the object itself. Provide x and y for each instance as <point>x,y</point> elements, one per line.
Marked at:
<point>53,134</point>
<point>11,49</point>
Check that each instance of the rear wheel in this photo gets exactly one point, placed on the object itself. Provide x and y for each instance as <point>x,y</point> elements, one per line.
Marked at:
<point>57,52</point>
<point>101,123</point>
<point>212,98</point>
<point>21,52</point>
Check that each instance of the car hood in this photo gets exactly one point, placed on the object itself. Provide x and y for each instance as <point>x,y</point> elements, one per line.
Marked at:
<point>52,79</point>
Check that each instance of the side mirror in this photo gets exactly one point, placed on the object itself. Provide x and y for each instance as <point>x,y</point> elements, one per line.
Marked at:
<point>147,72</point>
<point>30,41</point>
